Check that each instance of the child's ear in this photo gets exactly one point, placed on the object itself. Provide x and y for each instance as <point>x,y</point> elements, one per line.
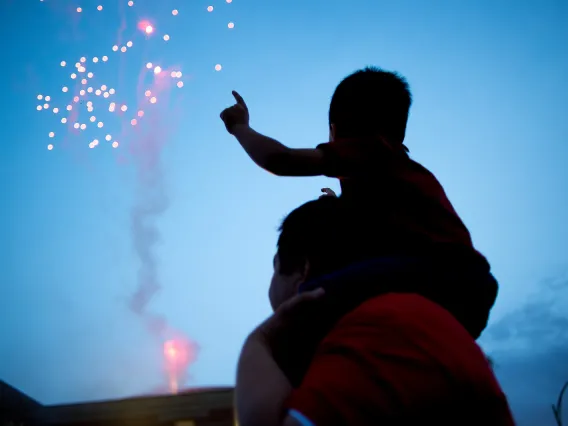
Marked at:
<point>331,132</point>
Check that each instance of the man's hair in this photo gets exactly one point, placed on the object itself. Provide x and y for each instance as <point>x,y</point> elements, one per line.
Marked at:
<point>321,232</point>
<point>371,101</point>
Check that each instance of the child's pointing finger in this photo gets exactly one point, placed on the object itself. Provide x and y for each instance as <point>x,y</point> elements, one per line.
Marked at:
<point>239,99</point>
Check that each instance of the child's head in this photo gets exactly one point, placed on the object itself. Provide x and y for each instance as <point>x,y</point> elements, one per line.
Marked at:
<point>315,239</point>
<point>370,102</point>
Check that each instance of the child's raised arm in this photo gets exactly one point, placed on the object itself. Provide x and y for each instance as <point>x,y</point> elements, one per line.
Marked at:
<point>266,152</point>
<point>277,158</point>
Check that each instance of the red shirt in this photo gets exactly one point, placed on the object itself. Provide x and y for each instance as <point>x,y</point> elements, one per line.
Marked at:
<point>399,359</point>
<point>408,197</point>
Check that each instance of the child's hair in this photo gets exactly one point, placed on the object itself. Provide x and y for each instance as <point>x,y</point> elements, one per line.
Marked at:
<point>371,101</point>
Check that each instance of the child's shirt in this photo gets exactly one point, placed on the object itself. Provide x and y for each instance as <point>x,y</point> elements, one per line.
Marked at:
<point>403,198</point>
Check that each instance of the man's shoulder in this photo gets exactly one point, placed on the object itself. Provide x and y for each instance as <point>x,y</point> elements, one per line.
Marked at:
<point>382,320</point>
<point>409,332</point>
<point>396,307</point>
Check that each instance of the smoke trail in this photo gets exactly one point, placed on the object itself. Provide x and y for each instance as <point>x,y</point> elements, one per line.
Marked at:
<point>151,203</point>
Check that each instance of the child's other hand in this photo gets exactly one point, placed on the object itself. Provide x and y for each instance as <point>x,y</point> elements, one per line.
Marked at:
<point>236,115</point>
<point>328,192</point>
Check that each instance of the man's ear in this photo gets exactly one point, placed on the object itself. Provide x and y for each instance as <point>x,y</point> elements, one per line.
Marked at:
<point>307,269</point>
<point>303,275</point>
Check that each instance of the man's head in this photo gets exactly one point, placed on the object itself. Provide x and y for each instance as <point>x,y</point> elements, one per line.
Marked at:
<point>317,238</point>
<point>368,103</point>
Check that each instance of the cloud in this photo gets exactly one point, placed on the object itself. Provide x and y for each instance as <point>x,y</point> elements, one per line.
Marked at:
<point>530,350</point>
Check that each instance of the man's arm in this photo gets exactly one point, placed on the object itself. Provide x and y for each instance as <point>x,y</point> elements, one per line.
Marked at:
<point>262,388</point>
<point>277,158</point>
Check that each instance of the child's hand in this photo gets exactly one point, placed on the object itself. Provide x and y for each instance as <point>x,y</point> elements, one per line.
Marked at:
<point>328,192</point>
<point>236,115</point>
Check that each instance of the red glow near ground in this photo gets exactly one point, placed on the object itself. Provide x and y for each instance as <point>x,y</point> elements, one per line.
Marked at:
<point>178,354</point>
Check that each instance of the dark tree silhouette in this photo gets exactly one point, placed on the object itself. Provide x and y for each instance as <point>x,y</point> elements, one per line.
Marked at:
<point>557,409</point>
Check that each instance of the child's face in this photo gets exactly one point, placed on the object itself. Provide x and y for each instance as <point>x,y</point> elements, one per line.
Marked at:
<point>284,287</point>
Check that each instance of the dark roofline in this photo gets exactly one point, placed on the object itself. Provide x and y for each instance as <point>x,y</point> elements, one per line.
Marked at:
<point>15,392</point>
<point>193,403</point>
<point>140,398</point>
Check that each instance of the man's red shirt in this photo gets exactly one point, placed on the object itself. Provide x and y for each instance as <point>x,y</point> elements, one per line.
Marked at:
<point>399,359</point>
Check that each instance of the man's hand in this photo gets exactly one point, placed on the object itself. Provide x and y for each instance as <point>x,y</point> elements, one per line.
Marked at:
<point>289,316</point>
<point>328,192</point>
<point>236,115</point>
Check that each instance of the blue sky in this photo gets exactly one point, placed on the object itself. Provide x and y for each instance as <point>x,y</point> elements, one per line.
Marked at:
<point>488,119</point>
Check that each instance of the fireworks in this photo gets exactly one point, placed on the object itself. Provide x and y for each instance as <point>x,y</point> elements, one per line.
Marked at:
<point>92,104</point>
<point>86,72</point>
